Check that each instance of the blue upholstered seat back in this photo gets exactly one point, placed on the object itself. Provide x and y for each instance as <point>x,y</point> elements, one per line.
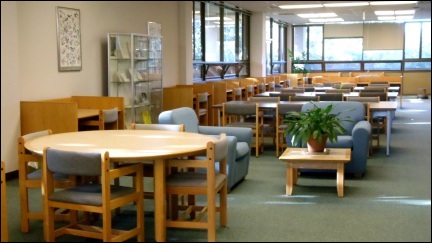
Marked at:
<point>182,115</point>
<point>352,110</point>
<point>74,163</point>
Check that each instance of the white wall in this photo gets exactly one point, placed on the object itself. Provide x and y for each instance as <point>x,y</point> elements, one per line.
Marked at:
<point>29,53</point>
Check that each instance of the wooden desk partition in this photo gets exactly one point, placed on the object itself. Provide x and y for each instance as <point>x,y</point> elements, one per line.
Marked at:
<point>61,115</point>
<point>177,96</point>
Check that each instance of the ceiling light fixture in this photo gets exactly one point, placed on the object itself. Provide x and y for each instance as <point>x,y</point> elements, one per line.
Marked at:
<point>392,2</point>
<point>326,20</point>
<point>346,4</point>
<point>301,6</point>
<point>317,15</point>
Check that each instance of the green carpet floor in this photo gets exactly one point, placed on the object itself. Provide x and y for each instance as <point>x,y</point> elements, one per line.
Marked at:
<point>391,203</point>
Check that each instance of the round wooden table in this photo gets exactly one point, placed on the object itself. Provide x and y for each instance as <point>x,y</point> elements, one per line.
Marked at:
<point>132,146</point>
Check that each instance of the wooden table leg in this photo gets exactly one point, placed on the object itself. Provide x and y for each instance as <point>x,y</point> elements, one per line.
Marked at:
<point>159,199</point>
<point>340,179</point>
<point>289,179</point>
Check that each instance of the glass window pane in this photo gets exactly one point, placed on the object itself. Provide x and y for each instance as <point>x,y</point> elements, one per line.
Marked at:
<point>315,42</point>
<point>197,32</point>
<point>300,41</point>
<point>411,66</point>
<point>382,55</point>
<point>275,41</point>
<point>426,40</point>
<point>314,67</point>
<point>244,29</point>
<point>346,67</point>
<point>212,37</point>
<point>382,66</point>
<point>412,40</point>
<point>343,49</point>
<point>229,35</point>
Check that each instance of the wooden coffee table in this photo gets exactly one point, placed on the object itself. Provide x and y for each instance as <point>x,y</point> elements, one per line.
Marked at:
<point>300,158</point>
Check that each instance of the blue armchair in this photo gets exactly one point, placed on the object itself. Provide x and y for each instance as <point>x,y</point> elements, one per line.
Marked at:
<point>239,140</point>
<point>357,135</point>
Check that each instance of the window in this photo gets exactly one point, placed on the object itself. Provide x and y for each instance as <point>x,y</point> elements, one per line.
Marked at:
<point>364,47</point>
<point>276,33</point>
<point>221,46</point>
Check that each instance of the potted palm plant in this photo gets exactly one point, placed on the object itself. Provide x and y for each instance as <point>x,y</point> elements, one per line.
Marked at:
<point>314,126</point>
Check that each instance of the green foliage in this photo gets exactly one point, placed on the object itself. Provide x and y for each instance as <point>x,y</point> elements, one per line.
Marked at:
<point>298,60</point>
<point>314,122</point>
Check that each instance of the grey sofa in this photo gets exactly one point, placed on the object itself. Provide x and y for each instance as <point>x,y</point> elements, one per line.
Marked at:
<point>356,138</point>
<point>239,140</point>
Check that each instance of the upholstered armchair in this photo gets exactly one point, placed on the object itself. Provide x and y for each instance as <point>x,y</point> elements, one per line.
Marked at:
<point>357,135</point>
<point>239,140</point>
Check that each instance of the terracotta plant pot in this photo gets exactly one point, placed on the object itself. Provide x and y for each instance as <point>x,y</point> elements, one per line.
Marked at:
<point>315,145</point>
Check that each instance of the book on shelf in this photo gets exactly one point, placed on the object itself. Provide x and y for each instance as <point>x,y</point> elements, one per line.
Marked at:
<point>146,117</point>
<point>124,49</point>
<point>122,77</point>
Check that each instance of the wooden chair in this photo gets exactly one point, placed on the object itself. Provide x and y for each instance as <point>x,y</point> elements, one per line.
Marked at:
<point>30,176</point>
<point>269,117</point>
<point>337,91</point>
<point>366,93</point>
<point>292,90</point>
<point>201,178</point>
<point>304,98</point>
<point>234,115</point>
<point>375,121</point>
<point>331,97</point>
<point>376,88</point>
<point>101,198</point>
<point>148,167</point>
<point>4,211</point>
<point>107,120</point>
<point>237,93</point>
<point>281,110</point>
<point>201,108</point>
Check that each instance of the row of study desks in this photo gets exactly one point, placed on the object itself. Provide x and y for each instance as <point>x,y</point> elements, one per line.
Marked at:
<point>382,108</point>
<point>390,95</point>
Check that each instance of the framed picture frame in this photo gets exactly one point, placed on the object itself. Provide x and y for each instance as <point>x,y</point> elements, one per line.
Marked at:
<point>68,39</point>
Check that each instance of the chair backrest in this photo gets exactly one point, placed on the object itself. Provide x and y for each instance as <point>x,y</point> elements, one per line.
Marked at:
<point>202,97</point>
<point>283,108</point>
<point>365,101</point>
<point>110,115</point>
<point>73,163</point>
<point>349,86</point>
<point>378,83</point>
<point>4,212</point>
<point>331,84</point>
<point>264,99</point>
<point>282,96</point>
<point>164,127</point>
<point>304,98</point>
<point>26,158</point>
<point>352,110</point>
<point>182,115</point>
<point>240,109</point>
<point>333,91</point>
<point>375,88</point>
<point>383,95</point>
<point>292,90</point>
<point>331,96</point>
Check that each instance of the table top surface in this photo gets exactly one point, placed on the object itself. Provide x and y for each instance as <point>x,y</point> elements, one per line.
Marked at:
<point>126,144</point>
<point>86,113</point>
<point>335,155</point>
<point>382,105</point>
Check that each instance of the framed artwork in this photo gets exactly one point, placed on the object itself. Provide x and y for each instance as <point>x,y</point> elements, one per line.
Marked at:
<point>68,39</point>
<point>154,29</point>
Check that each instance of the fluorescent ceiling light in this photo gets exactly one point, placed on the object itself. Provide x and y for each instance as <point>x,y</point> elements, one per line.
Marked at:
<point>326,20</point>
<point>318,15</point>
<point>386,18</point>
<point>301,6</point>
<point>392,2</point>
<point>346,4</point>
<point>404,12</point>
<point>384,12</point>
